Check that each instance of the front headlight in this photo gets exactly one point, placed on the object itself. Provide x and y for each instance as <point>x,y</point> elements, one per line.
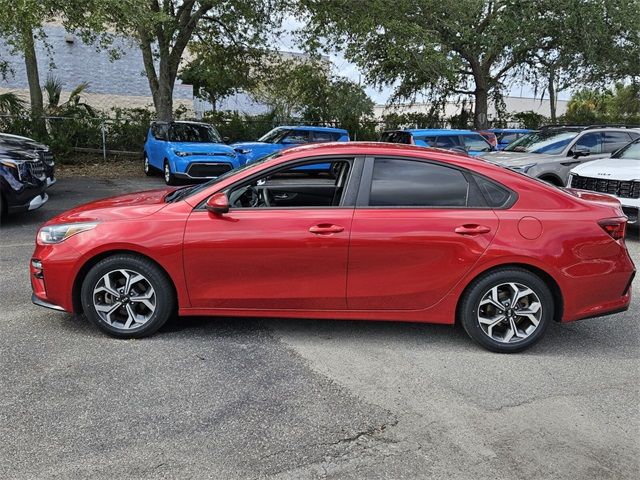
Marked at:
<point>522,168</point>
<point>16,166</point>
<point>180,154</point>
<point>58,233</point>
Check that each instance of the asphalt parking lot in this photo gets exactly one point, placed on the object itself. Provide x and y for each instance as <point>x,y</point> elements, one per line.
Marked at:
<point>297,399</point>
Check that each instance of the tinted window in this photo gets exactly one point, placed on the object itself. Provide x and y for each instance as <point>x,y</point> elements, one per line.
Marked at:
<point>615,140</point>
<point>396,137</point>
<point>325,137</point>
<point>508,137</point>
<point>296,136</point>
<point>406,183</point>
<point>159,130</point>
<point>476,143</point>
<point>447,141</point>
<point>495,195</point>
<point>590,142</point>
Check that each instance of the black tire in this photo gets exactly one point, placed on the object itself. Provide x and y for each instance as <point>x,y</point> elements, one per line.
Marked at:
<point>169,177</point>
<point>147,168</point>
<point>470,306</point>
<point>164,298</point>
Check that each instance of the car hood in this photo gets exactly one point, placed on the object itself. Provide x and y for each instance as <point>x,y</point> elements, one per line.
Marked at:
<point>22,143</point>
<point>123,207</point>
<point>202,147</point>
<point>250,145</point>
<point>517,159</point>
<point>610,169</point>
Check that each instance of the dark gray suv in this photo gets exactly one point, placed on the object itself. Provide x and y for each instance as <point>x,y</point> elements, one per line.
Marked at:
<point>551,152</point>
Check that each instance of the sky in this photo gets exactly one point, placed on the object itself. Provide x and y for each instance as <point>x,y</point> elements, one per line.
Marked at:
<point>347,69</point>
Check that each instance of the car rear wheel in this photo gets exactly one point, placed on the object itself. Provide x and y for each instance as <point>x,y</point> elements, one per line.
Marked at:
<point>169,177</point>
<point>507,310</point>
<point>148,169</point>
<point>127,296</point>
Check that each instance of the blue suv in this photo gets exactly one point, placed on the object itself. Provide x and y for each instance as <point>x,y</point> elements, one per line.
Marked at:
<point>285,137</point>
<point>187,151</point>
<point>462,140</point>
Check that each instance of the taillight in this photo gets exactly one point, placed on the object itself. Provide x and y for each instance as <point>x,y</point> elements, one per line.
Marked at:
<point>616,227</point>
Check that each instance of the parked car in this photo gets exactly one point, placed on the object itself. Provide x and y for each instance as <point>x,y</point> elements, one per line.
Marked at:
<point>618,176</point>
<point>23,181</point>
<point>402,233</point>
<point>550,153</point>
<point>18,142</point>
<point>187,151</point>
<point>505,136</point>
<point>489,136</point>
<point>286,137</point>
<point>463,140</point>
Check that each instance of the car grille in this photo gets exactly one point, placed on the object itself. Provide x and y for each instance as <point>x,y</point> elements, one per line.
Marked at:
<point>36,169</point>
<point>619,188</point>
<point>46,157</point>
<point>203,170</point>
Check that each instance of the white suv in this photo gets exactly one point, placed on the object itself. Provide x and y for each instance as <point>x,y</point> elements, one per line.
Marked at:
<point>618,176</point>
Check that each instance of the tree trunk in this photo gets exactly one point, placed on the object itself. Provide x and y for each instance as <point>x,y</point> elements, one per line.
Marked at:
<point>481,94</point>
<point>33,77</point>
<point>552,95</point>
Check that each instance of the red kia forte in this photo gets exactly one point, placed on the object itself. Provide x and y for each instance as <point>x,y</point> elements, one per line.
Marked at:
<point>395,232</point>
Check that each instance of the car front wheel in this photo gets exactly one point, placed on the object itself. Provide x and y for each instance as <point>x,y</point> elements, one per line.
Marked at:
<point>127,296</point>
<point>507,310</point>
<point>169,177</point>
<point>148,169</point>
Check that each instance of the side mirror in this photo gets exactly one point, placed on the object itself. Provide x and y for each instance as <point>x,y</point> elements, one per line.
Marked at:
<point>578,152</point>
<point>218,203</point>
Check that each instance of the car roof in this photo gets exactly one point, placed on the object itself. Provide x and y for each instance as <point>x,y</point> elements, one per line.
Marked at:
<point>510,130</point>
<point>436,131</point>
<point>315,129</point>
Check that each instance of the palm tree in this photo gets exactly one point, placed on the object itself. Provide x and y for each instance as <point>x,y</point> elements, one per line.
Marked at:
<point>73,107</point>
<point>11,104</point>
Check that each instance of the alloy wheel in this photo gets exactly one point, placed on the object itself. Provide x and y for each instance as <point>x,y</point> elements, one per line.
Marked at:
<point>167,173</point>
<point>124,299</point>
<point>509,312</point>
<point>146,164</point>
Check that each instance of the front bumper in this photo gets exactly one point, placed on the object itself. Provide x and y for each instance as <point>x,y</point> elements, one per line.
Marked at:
<point>51,181</point>
<point>42,303</point>
<point>32,204</point>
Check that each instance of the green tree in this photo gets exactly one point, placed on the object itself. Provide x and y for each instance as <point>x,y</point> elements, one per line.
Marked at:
<point>584,42</point>
<point>467,47</point>
<point>618,105</point>
<point>218,71</point>
<point>165,28</point>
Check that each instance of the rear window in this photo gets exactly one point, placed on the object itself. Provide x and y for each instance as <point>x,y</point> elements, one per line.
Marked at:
<point>476,142</point>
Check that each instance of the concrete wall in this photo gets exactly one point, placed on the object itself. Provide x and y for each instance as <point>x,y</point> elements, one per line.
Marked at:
<point>120,82</point>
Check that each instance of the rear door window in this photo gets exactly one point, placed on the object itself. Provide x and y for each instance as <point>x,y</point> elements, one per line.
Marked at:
<point>296,137</point>
<point>396,137</point>
<point>320,137</point>
<point>476,143</point>
<point>615,140</point>
<point>408,183</point>
<point>447,141</point>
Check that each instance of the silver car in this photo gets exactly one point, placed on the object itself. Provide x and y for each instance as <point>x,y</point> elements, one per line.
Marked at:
<point>551,152</point>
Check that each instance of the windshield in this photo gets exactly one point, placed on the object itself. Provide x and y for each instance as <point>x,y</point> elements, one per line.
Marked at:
<point>273,136</point>
<point>184,192</point>
<point>630,152</point>
<point>193,132</point>
<point>545,141</point>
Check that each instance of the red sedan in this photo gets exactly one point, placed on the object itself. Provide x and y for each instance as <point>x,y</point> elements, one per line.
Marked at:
<point>395,233</point>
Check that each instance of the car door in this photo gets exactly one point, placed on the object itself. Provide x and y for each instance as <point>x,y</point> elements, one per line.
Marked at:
<point>157,143</point>
<point>418,228</point>
<point>276,257</point>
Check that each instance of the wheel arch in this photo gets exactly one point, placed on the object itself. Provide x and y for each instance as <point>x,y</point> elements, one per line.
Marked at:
<point>76,300</point>
<point>558,299</point>
<point>552,178</point>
